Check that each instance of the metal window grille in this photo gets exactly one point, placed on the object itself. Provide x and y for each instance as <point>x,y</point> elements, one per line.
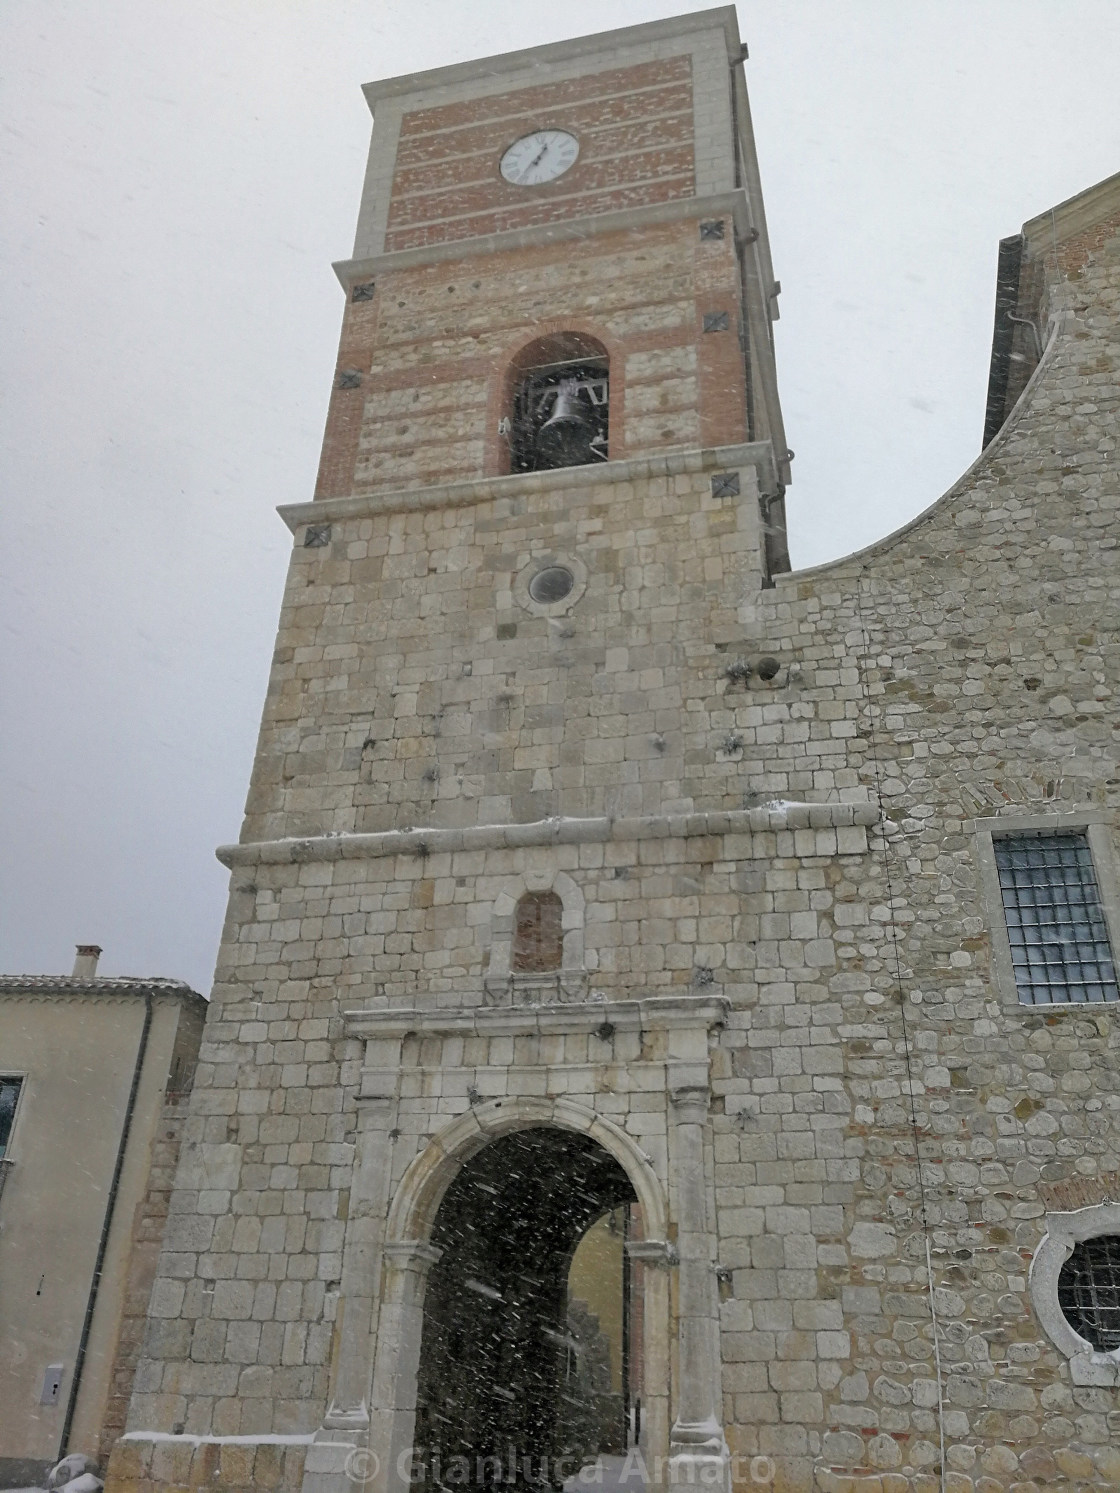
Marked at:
<point>1055,921</point>
<point>1089,1291</point>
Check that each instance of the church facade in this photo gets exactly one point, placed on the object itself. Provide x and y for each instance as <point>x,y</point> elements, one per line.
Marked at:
<point>595,865</point>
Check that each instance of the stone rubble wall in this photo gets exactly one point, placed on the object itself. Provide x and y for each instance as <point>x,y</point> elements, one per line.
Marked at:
<point>986,684</point>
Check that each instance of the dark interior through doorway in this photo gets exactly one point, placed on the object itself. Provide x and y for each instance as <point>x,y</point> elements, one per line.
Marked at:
<point>521,1379</point>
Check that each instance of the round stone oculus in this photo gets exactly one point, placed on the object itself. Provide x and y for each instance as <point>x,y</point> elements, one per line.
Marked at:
<point>551,584</point>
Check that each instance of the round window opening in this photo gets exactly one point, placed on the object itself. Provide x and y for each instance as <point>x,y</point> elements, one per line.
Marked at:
<point>551,584</point>
<point>1089,1291</point>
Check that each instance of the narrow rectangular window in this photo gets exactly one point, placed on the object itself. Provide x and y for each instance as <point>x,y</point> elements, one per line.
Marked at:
<point>9,1095</point>
<point>1055,922</point>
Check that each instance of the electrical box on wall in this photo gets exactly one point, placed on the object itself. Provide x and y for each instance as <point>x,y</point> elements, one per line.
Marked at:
<point>52,1384</point>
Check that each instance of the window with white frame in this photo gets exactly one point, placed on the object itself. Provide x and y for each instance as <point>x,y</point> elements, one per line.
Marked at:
<point>1052,896</point>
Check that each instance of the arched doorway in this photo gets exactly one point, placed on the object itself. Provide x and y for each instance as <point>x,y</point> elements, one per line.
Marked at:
<point>520,1379</point>
<point>400,1270</point>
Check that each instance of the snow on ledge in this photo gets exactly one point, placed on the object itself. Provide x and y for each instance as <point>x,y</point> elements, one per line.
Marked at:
<point>780,814</point>
<point>189,1439</point>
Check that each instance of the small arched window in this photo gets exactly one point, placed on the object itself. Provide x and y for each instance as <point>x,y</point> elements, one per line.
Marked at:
<point>538,934</point>
<point>559,404</point>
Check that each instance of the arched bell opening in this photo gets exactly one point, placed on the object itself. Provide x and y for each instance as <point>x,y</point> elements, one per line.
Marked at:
<point>514,1364</point>
<point>558,403</point>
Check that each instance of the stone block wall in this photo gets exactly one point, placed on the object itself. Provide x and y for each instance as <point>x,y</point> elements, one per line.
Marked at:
<point>415,682</point>
<point>147,1238</point>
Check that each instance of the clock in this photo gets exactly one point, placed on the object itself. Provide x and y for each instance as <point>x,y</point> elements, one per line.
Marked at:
<point>542,156</point>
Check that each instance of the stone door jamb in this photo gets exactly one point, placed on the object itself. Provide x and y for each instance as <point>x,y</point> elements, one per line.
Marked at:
<point>379,1346</point>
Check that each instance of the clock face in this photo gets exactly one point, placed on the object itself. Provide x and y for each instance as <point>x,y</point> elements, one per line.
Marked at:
<point>542,156</point>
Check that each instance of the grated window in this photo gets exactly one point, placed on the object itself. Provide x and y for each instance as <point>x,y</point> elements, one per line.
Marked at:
<point>1055,921</point>
<point>1089,1291</point>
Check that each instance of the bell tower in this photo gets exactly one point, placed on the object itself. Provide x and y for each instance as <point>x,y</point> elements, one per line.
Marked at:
<point>557,334</point>
<point>467,957</point>
<point>599,198</point>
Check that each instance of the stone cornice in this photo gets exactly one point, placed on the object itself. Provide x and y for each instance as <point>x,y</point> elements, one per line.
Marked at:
<point>758,454</point>
<point>1075,215</point>
<point>733,205</point>
<point>558,831</point>
<point>600,43</point>
<point>648,1014</point>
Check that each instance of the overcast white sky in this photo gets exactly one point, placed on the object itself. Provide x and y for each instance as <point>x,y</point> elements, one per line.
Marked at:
<point>177,176</point>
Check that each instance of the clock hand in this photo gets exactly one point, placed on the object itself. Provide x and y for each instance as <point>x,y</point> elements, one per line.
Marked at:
<point>533,163</point>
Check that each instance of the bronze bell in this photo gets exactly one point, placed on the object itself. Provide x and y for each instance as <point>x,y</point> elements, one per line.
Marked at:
<point>565,439</point>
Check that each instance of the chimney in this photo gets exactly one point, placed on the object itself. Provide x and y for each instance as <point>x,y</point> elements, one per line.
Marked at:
<point>85,961</point>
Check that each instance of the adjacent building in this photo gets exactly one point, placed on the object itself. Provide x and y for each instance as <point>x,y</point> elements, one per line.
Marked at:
<point>94,1073</point>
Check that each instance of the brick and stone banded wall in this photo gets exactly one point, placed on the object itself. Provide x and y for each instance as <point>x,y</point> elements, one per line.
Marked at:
<point>435,345</point>
<point>634,125</point>
<point>1080,251</point>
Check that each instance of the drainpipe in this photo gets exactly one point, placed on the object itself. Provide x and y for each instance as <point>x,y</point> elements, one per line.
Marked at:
<point>1025,321</point>
<point>103,1242</point>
